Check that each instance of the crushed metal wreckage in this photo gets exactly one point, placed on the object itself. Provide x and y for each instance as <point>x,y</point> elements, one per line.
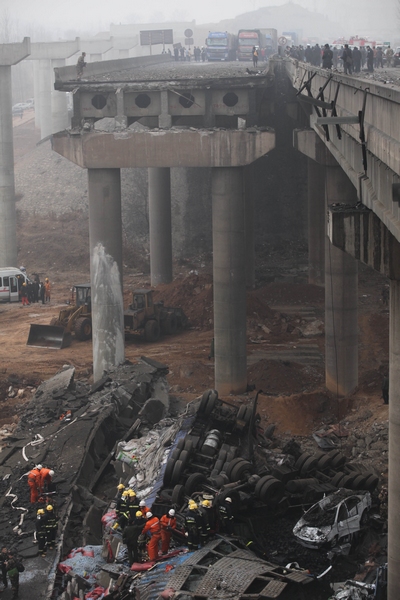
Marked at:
<point>334,519</point>
<point>126,428</point>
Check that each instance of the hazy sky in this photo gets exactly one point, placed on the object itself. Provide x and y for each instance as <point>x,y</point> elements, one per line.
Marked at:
<point>96,15</point>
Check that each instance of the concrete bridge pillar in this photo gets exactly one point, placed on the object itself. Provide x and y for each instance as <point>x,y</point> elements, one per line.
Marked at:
<point>160,225</point>
<point>316,222</point>
<point>249,216</point>
<point>394,442</point>
<point>229,276</point>
<point>10,54</point>
<point>45,92</point>
<point>341,298</point>
<point>105,233</point>
<point>59,106</point>
<point>36,94</point>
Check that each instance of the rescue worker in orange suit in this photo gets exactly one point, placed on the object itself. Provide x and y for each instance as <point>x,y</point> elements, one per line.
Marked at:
<point>131,535</point>
<point>41,532</point>
<point>168,523</point>
<point>34,483</point>
<point>152,528</point>
<point>47,290</point>
<point>45,478</point>
<point>142,506</point>
<point>192,526</point>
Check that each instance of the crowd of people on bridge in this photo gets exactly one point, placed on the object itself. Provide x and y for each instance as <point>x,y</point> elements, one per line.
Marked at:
<point>351,59</point>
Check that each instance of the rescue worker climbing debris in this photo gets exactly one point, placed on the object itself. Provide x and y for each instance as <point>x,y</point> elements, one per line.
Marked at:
<point>152,528</point>
<point>192,526</point>
<point>168,524</point>
<point>45,481</point>
<point>225,516</point>
<point>41,531</point>
<point>131,535</point>
<point>51,526</point>
<point>120,489</point>
<point>133,504</point>
<point>34,483</point>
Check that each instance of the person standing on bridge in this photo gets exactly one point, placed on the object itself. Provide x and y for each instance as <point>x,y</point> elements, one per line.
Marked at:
<point>79,66</point>
<point>347,58</point>
<point>356,60</point>
<point>370,59</point>
<point>327,57</point>
<point>255,56</point>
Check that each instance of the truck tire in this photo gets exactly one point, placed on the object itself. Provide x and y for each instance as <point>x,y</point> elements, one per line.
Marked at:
<point>168,471</point>
<point>177,472</point>
<point>272,492</point>
<point>169,324</point>
<point>178,495</point>
<point>152,331</point>
<point>240,470</point>
<point>83,329</point>
<point>194,483</point>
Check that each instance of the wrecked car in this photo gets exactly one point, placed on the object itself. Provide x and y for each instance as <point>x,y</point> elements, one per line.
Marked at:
<point>335,518</point>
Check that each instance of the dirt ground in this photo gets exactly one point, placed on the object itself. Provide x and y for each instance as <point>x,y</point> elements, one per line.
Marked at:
<point>293,394</point>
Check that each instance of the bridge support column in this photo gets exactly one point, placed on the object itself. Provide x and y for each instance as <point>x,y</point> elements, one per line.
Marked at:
<point>249,216</point>
<point>341,298</point>
<point>105,233</point>
<point>160,225</point>
<point>45,90</point>
<point>394,442</point>
<point>8,224</point>
<point>59,107</point>
<point>10,54</point>
<point>228,218</point>
<point>316,223</point>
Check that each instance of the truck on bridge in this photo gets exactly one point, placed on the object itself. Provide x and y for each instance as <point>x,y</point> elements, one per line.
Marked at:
<point>247,39</point>
<point>221,45</point>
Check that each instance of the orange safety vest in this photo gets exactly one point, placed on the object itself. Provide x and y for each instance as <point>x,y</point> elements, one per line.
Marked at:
<point>44,477</point>
<point>34,478</point>
<point>152,525</point>
<point>167,521</point>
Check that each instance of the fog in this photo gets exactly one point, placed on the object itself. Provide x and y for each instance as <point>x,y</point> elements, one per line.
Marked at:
<point>47,19</point>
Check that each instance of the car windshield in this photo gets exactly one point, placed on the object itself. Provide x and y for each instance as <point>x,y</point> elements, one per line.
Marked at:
<point>319,517</point>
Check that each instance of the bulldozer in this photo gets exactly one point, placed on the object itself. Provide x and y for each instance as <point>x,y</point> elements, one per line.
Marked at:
<point>76,318</point>
<point>151,319</point>
<point>143,317</point>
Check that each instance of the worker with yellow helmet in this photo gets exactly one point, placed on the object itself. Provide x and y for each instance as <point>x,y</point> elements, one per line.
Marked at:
<point>41,533</point>
<point>192,525</point>
<point>51,526</point>
<point>206,520</point>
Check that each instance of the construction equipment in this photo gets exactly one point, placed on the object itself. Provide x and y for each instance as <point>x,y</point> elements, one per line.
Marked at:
<point>75,318</point>
<point>144,317</point>
<point>151,319</point>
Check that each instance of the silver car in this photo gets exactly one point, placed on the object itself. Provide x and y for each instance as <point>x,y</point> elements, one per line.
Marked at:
<point>335,518</point>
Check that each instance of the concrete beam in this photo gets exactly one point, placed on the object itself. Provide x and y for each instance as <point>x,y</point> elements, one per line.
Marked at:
<point>167,148</point>
<point>362,234</point>
<point>96,46</point>
<point>68,73</point>
<point>308,143</point>
<point>53,50</point>
<point>11,54</point>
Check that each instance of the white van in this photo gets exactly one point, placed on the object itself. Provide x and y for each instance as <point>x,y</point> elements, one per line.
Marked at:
<point>11,280</point>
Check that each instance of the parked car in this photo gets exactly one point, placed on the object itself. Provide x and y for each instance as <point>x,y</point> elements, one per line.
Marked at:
<point>335,518</point>
<point>396,57</point>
